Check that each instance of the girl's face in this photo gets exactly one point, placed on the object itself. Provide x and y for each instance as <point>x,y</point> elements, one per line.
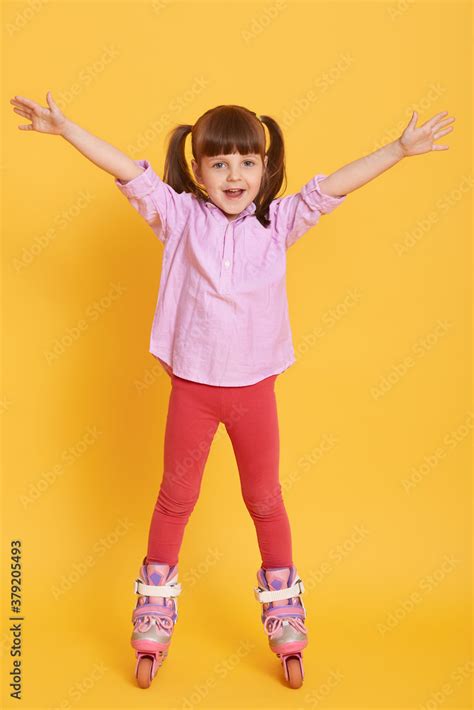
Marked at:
<point>223,172</point>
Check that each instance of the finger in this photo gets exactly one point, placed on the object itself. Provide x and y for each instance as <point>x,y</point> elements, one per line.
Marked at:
<point>431,122</point>
<point>22,113</point>
<point>443,123</point>
<point>413,120</point>
<point>29,127</point>
<point>51,102</point>
<point>442,133</point>
<point>28,102</point>
<point>440,147</point>
<point>22,108</point>
<point>34,109</point>
<point>17,103</point>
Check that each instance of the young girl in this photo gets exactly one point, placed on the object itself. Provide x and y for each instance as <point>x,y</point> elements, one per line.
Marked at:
<point>221,330</point>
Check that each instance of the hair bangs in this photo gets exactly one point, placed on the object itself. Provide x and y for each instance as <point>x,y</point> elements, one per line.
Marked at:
<point>227,130</point>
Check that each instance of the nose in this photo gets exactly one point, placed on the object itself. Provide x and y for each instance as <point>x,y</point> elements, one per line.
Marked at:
<point>234,173</point>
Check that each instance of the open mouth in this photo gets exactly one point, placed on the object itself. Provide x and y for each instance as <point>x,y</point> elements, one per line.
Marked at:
<point>234,194</point>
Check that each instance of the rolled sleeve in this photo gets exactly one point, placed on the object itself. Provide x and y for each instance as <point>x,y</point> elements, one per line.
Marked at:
<point>157,202</point>
<point>297,213</point>
<point>317,199</point>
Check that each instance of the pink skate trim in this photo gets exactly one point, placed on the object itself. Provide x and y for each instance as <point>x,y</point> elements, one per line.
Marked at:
<point>151,647</point>
<point>154,608</point>
<point>288,648</point>
<point>286,612</point>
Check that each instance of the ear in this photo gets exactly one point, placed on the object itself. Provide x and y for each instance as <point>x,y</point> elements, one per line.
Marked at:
<point>196,171</point>
<point>265,161</point>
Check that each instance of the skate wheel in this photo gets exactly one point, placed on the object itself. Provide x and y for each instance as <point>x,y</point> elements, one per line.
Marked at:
<point>145,665</point>
<point>294,671</point>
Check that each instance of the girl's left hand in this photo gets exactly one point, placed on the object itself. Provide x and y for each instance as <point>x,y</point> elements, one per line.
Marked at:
<point>415,141</point>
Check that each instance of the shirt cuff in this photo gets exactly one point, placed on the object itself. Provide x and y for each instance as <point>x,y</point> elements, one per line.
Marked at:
<point>317,199</point>
<point>141,184</point>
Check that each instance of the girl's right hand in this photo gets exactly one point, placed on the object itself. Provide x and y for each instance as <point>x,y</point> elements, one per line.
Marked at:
<point>45,120</point>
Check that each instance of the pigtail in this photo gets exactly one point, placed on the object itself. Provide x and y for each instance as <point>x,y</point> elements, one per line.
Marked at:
<point>275,174</point>
<point>176,171</point>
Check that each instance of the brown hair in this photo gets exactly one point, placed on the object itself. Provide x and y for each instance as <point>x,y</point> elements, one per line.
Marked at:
<point>222,130</point>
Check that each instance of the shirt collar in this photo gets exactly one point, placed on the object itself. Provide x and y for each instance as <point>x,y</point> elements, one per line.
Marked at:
<point>250,209</point>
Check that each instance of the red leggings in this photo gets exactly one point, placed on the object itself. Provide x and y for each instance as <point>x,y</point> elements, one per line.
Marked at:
<point>249,414</point>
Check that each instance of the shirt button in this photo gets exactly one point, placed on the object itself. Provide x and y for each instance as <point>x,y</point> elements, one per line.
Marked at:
<point>227,263</point>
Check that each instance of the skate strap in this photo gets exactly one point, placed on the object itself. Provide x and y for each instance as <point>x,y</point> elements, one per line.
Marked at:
<point>263,595</point>
<point>151,590</point>
<point>152,610</point>
<point>285,611</point>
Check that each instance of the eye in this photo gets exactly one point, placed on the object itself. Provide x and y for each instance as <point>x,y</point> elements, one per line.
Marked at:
<point>220,162</point>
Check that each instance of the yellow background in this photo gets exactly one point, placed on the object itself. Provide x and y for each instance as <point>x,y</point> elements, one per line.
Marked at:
<point>387,565</point>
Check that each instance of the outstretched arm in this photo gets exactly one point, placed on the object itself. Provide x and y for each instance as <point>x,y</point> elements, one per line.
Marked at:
<point>52,120</point>
<point>413,141</point>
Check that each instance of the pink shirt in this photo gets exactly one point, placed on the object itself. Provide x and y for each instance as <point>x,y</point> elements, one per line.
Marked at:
<point>222,312</point>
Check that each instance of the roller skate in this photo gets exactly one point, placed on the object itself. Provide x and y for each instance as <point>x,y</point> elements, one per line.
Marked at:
<point>283,618</point>
<point>154,617</point>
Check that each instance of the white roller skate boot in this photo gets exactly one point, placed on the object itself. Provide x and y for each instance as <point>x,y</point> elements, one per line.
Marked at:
<point>154,617</point>
<point>283,618</point>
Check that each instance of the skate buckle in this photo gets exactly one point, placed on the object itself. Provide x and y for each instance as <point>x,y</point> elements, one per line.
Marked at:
<point>263,595</point>
<point>173,589</point>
